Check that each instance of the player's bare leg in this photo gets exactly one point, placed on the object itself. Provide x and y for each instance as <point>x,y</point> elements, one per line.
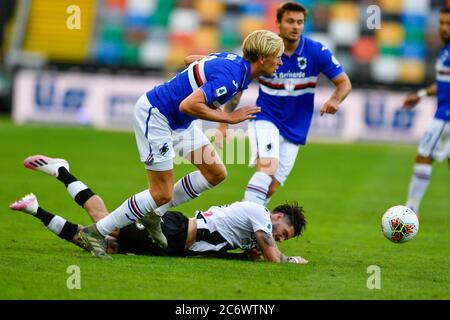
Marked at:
<point>274,185</point>
<point>211,172</point>
<point>210,164</point>
<point>59,168</point>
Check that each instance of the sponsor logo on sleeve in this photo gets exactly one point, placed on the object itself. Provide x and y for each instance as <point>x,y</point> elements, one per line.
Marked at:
<point>221,91</point>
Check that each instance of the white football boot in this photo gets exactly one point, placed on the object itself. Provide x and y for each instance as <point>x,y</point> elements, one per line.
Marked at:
<point>28,204</point>
<point>45,164</point>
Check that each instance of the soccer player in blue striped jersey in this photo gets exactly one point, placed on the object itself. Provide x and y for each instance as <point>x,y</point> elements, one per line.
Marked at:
<point>287,104</point>
<point>435,143</point>
<point>163,125</point>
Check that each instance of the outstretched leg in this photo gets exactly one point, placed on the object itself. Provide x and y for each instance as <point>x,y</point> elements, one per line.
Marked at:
<point>58,225</point>
<point>82,194</point>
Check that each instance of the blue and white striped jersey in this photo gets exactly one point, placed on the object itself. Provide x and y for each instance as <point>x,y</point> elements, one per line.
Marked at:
<point>219,75</point>
<point>443,84</point>
<point>287,98</point>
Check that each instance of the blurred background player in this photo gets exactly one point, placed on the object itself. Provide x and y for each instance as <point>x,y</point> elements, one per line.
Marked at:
<point>163,122</point>
<point>243,225</point>
<point>435,143</point>
<point>287,104</point>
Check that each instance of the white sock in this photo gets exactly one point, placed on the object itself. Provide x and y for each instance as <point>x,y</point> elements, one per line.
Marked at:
<point>56,224</point>
<point>189,187</point>
<point>132,210</point>
<point>418,185</point>
<point>257,188</point>
<point>163,209</point>
<point>75,187</point>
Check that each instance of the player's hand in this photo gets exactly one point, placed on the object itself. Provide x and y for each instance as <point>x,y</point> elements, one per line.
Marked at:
<point>411,101</point>
<point>254,254</point>
<point>221,135</point>
<point>298,260</point>
<point>242,114</point>
<point>331,107</point>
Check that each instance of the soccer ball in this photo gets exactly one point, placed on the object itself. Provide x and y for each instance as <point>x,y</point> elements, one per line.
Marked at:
<point>399,224</point>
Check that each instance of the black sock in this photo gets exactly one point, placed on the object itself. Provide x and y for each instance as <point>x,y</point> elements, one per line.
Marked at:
<point>84,196</point>
<point>65,177</point>
<point>68,231</point>
<point>44,216</point>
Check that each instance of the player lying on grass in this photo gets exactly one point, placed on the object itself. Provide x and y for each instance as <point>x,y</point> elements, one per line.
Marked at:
<point>245,225</point>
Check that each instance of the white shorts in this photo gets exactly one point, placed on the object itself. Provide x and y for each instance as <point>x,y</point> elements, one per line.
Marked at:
<point>157,142</point>
<point>435,142</point>
<point>266,142</point>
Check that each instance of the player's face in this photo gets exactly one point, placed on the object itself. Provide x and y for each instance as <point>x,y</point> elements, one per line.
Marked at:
<point>444,27</point>
<point>291,25</point>
<point>281,230</point>
<point>271,64</point>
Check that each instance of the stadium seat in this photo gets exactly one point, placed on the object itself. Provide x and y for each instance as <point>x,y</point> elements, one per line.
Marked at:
<point>153,53</point>
<point>365,49</point>
<point>206,40</point>
<point>411,71</point>
<point>385,68</point>
<point>209,10</point>
<point>389,6</point>
<point>392,34</point>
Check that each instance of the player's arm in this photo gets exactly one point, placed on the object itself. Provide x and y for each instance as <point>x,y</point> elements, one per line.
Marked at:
<point>343,86</point>
<point>192,58</point>
<point>270,251</point>
<point>413,98</point>
<point>229,107</point>
<point>195,105</point>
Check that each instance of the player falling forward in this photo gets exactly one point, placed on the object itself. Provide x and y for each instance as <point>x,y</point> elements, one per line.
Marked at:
<point>435,143</point>
<point>287,104</point>
<point>244,225</point>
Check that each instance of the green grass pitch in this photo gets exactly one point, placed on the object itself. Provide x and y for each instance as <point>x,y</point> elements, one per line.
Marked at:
<point>344,188</point>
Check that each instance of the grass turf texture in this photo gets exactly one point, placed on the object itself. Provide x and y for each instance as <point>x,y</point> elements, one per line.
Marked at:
<point>344,189</point>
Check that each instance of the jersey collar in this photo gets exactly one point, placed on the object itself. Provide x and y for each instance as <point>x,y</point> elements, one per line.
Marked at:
<point>301,44</point>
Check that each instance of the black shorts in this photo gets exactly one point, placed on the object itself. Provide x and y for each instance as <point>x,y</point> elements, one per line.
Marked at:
<point>135,240</point>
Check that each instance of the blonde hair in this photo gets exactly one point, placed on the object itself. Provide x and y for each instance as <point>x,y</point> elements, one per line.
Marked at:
<point>262,43</point>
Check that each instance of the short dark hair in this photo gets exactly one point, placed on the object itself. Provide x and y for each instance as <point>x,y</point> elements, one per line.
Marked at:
<point>290,6</point>
<point>445,10</point>
<point>294,214</point>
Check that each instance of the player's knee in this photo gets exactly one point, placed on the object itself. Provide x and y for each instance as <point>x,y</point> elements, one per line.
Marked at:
<point>217,176</point>
<point>267,165</point>
<point>161,197</point>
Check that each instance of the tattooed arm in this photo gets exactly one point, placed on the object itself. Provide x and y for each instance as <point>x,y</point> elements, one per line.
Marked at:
<point>270,251</point>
